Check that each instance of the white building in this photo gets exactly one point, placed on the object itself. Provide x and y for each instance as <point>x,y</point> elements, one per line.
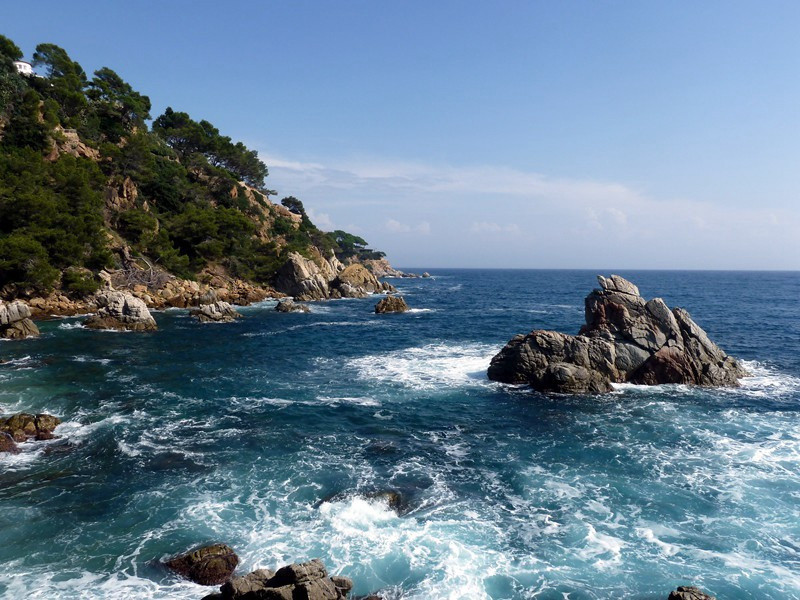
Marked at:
<point>23,68</point>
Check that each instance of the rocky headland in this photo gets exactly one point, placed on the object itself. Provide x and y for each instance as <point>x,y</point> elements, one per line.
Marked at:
<point>625,339</point>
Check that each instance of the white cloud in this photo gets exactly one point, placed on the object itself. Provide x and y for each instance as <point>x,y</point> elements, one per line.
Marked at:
<point>493,228</point>
<point>320,219</point>
<point>396,226</point>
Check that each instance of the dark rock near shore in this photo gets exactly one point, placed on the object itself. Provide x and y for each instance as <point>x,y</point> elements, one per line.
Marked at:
<point>625,339</point>
<point>391,304</point>
<point>306,581</point>
<point>288,305</point>
<point>25,426</point>
<point>209,565</point>
<point>15,321</point>
<point>689,592</point>
<point>216,312</point>
<point>7,443</point>
<point>121,311</point>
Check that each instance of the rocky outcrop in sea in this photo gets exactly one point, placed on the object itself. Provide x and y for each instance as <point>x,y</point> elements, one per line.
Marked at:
<point>308,580</point>
<point>209,565</point>
<point>121,311</point>
<point>23,427</point>
<point>216,312</point>
<point>15,321</point>
<point>625,339</point>
<point>689,592</point>
<point>391,304</point>
<point>320,278</point>
<point>287,305</point>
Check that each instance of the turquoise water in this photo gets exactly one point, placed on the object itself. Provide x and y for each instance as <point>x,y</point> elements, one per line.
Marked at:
<point>270,434</point>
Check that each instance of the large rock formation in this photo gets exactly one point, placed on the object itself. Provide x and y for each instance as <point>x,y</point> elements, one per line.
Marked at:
<point>309,581</point>
<point>209,565</point>
<point>320,278</point>
<point>391,304</point>
<point>216,312</point>
<point>122,311</point>
<point>15,321</point>
<point>287,305</point>
<point>625,339</point>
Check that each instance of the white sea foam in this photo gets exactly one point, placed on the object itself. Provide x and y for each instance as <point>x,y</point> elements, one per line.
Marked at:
<point>428,367</point>
<point>420,310</point>
<point>91,359</point>
<point>765,381</point>
<point>359,400</point>
<point>75,325</point>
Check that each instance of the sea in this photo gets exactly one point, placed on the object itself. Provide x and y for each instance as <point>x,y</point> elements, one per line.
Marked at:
<point>280,435</point>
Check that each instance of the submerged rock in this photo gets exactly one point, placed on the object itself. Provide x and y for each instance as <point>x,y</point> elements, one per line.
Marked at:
<point>217,312</point>
<point>15,321</point>
<point>209,565</point>
<point>288,305</point>
<point>24,426</point>
<point>122,311</point>
<point>625,339</point>
<point>689,592</point>
<point>391,304</point>
<point>308,580</point>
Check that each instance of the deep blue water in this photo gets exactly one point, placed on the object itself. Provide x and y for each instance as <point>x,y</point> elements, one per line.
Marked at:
<point>270,434</point>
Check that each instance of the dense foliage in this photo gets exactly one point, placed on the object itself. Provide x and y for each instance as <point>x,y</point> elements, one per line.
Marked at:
<point>180,193</point>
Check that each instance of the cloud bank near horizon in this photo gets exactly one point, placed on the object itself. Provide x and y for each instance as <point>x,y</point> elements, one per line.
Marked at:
<point>494,216</point>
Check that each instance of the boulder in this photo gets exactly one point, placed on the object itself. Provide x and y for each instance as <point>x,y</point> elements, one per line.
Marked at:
<point>218,312</point>
<point>356,281</point>
<point>121,311</point>
<point>307,581</point>
<point>391,304</point>
<point>7,444</point>
<point>689,592</point>
<point>15,321</point>
<point>287,305</point>
<point>625,339</point>
<point>209,565</point>
<point>24,426</point>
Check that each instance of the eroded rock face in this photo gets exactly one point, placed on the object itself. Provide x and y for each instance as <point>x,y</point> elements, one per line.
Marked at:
<point>15,321</point>
<point>689,592</point>
<point>625,339</point>
<point>308,580</point>
<point>209,565</point>
<point>391,304</point>
<point>320,278</point>
<point>217,312</point>
<point>122,311</point>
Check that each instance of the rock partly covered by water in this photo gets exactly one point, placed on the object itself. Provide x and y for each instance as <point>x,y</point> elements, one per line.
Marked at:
<point>625,339</point>
<point>121,310</point>
<point>288,305</point>
<point>320,278</point>
<point>689,592</point>
<point>209,565</point>
<point>309,581</point>
<point>216,312</point>
<point>15,321</point>
<point>23,427</point>
<point>391,304</point>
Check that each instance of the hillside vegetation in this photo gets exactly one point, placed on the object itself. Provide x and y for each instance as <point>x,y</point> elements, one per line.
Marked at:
<point>90,181</point>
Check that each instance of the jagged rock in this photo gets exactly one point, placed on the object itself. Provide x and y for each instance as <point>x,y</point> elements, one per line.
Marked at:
<point>288,305</point>
<point>689,592</point>
<point>320,278</point>
<point>426,274</point>
<point>218,312</point>
<point>209,565</point>
<point>122,311</point>
<point>625,339</point>
<point>306,581</point>
<point>15,321</point>
<point>393,499</point>
<point>24,426</point>
<point>391,304</point>
<point>7,444</point>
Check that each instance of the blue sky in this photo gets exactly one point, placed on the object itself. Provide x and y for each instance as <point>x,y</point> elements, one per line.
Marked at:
<point>505,134</point>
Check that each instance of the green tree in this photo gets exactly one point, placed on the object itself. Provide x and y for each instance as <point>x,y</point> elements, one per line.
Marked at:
<point>65,82</point>
<point>118,107</point>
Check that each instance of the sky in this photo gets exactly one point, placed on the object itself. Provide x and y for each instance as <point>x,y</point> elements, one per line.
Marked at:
<point>560,134</point>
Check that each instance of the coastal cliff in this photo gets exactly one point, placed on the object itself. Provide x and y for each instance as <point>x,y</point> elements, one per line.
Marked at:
<point>94,197</point>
